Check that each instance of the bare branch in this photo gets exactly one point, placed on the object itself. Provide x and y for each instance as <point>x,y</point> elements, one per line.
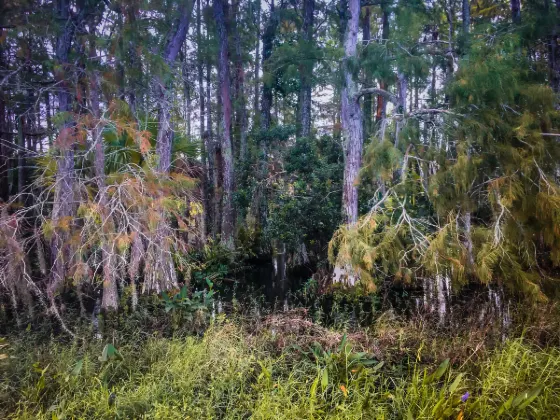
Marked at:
<point>380,92</point>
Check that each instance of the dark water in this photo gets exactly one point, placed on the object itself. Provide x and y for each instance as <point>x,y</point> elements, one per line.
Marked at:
<point>269,286</point>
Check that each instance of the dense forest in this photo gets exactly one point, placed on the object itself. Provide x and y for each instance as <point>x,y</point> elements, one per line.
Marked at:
<point>247,191</point>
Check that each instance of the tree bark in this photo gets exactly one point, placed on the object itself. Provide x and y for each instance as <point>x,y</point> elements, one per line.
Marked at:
<point>368,98</point>
<point>203,136</point>
<point>240,99</point>
<point>554,53</point>
<point>172,48</point>
<point>186,91</point>
<point>131,11</point>
<point>256,69</point>
<point>265,119</point>
<point>64,190</point>
<point>351,118</point>
<point>211,150</point>
<point>21,151</point>
<point>4,150</point>
<point>381,111</point>
<point>306,71</point>
<point>466,16</point>
<point>110,298</point>
<point>516,11</point>
<point>402,89</point>
<point>161,273</point>
<point>227,230</point>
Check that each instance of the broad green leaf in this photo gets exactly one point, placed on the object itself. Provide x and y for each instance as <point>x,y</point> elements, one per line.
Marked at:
<point>314,387</point>
<point>110,352</point>
<point>505,406</point>
<point>527,397</point>
<point>78,367</point>
<point>455,383</point>
<point>440,370</point>
<point>325,379</point>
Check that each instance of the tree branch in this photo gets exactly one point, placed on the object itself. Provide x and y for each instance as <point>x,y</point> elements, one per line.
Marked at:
<point>433,111</point>
<point>375,91</point>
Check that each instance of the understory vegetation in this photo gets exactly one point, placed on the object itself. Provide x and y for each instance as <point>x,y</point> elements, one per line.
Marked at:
<point>280,209</point>
<point>284,366</point>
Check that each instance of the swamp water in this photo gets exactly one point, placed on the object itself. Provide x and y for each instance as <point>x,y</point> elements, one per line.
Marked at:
<point>269,286</point>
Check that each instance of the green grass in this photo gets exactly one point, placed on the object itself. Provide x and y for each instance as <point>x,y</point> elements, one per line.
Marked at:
<point>233,373</point>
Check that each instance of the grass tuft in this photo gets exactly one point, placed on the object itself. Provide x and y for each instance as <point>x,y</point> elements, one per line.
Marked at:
<point>232,373</point>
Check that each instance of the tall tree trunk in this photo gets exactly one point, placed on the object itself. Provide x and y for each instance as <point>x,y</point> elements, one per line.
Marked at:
<point>265,117</point>
<point>165,134</point>
<point>110,298</point>
<point>516,11</point>
<point>381,111</point>
<point>186,90</point>
<point>368,98</point>
<point>131,11</point>
<point>227,230</point>
<point>162,274</point>
<point>4,150</point>
<point>240,99</point>
<point>64,190</point>
<point>351,118</point>
<point>256,68</point>
<point>466,16</point>
<point>306,70</point>
<point>402,91</point>
<point>203,135</point>
<point>211,150</point>
<point>21,151</point>
<point>120,55</point>
<point>554,53</point>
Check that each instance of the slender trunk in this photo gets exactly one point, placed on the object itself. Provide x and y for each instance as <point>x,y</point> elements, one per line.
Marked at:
<point>135,71</point>
<point>110,296</point>
<point>211,150</point>
<point>554,53</point>
<point>306,70</point>
<point>256,69</point>
<point>186,91</point>
<point>120,55</point>
<point>9,151</point>
<point>165,134</point>
<point>64,189</point>
<point>381,111</point>
<point>268,39</point>
<point>265,118</point>
<point>450,58</point>
<point>351,118</point>
<point>161,273</point>
<point>516,11</point>
<point>402,90</point>
<point>240,100</point>
<point>203,137</point>
<point>21,149</point>
<point>368,98</point>
<point>227,230</point>
<point>4,160</point>
<point>466,16</point>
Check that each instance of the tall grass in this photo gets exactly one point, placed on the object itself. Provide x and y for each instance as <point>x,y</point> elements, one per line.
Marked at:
<point>232,374</point>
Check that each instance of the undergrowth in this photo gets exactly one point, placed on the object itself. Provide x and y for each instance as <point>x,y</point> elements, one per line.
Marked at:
<point>236,370</point>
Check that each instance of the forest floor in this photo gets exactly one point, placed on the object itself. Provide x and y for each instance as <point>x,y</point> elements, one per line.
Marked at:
<point>284,366</point>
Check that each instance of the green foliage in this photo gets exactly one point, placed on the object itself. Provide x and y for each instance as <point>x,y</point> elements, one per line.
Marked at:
<point>185,309</point>
<point>230,373</point>
<point>307,207</point>
<point>472,193</point>
<point>338,368</point>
